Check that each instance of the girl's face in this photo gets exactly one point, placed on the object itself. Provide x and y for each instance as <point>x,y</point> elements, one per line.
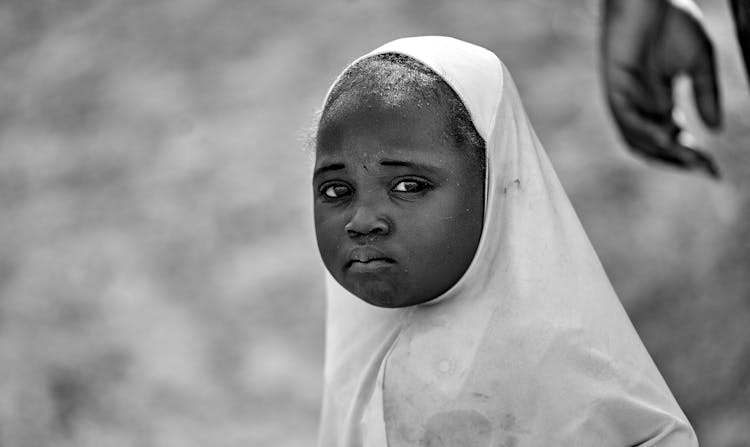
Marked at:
<point>398,208</point>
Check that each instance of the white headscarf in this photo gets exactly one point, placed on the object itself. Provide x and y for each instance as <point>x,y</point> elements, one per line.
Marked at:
<point>531,347</point>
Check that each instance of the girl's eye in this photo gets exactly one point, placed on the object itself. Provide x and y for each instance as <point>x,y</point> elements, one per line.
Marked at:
<point>336,191</point>
<point>410,186</point>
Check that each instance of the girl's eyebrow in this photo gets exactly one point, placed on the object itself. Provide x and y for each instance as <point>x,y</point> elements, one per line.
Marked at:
<point>328,167</point>
<point>409,164</point>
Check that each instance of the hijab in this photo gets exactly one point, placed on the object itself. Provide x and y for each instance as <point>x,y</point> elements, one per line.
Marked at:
<point>531,347</point>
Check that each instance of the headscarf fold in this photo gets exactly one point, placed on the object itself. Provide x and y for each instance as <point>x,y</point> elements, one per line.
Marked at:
<point>531,347</point>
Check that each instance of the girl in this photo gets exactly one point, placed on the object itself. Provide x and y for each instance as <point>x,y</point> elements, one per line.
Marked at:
<point>466,306</point>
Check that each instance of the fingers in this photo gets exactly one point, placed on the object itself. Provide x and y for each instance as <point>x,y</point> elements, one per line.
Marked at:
<point>647,93</point>
<point>678,155</point>
<point>641,109</point>
<point>655,136</point>
<point>688,157</point>
<point>685,47</point>
<point>706,88</point>
<point>700,160</point>
<point>638,127</point>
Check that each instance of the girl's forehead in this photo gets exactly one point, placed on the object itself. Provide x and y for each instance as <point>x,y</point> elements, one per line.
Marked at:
<point>370,118</point>
<point>374,106</point>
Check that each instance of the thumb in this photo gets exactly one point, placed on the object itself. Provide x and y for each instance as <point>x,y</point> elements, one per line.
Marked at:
<point>706,88</point>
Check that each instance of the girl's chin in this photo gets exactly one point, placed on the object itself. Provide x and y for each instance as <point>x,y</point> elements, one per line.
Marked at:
<point>387,298</point>
<point>378,294</point>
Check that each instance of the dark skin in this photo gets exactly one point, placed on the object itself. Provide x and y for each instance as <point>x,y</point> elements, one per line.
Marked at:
<point>741,15</point>
<point>398,207</point>
<point>645,45</point>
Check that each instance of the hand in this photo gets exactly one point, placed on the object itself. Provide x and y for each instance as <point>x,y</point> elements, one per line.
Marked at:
<point>645,45</point>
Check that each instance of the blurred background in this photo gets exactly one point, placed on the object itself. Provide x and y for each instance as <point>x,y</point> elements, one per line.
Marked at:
<point>159,279</point>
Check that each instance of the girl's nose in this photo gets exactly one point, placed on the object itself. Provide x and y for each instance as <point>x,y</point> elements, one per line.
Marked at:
<point>367,221</point>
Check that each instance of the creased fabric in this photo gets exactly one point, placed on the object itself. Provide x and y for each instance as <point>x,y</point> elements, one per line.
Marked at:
<point>531,347</point>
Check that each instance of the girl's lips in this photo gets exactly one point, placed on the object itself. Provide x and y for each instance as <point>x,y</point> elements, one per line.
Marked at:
<point>368,256</point>
<point>371,266</point>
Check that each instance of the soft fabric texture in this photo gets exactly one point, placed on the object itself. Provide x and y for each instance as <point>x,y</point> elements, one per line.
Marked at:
<point>531,347</point>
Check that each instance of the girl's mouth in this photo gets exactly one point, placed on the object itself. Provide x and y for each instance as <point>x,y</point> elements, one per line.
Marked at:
<point>368,258</point>
<point>370,266</point>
